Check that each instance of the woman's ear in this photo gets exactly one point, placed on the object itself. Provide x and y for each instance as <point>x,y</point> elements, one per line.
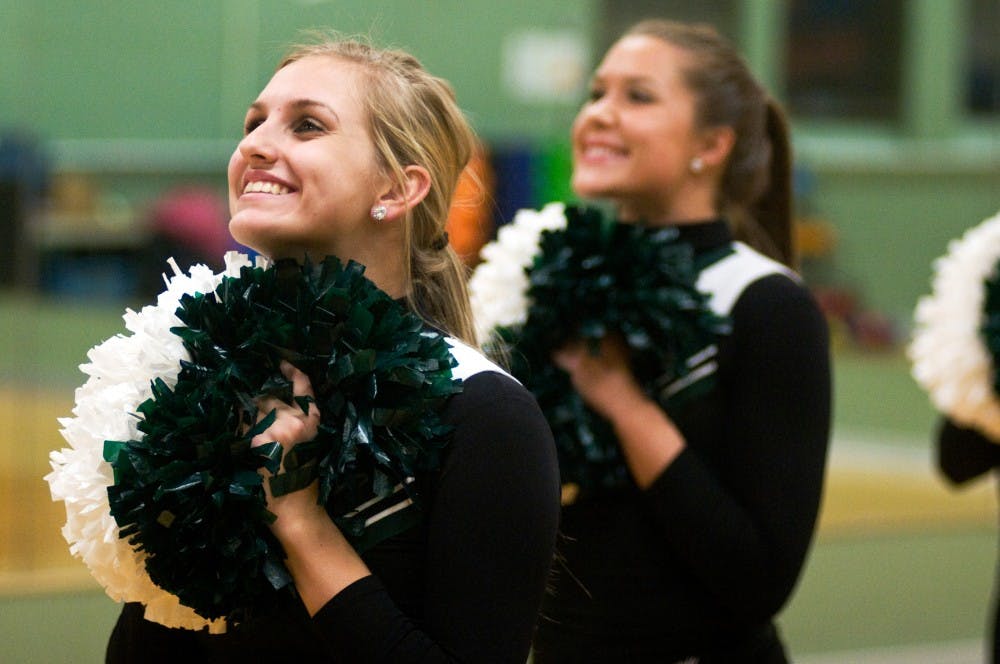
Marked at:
<point>717,144</point>
<point>400,198</point>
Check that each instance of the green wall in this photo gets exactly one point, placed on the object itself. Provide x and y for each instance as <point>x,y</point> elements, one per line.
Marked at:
<point>146,94</point>
<point>187,69</point>
<point>891,226</point>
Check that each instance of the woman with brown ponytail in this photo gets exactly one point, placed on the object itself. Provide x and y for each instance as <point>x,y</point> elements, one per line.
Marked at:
<point>692,559</point>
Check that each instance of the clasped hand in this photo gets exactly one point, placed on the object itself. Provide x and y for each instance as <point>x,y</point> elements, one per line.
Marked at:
<point>291,426</point>
<point>602,376</point>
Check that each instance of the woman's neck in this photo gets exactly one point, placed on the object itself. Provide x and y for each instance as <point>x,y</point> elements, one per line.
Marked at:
<point>673,211</point>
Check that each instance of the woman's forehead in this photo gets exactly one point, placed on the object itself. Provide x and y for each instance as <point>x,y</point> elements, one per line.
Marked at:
<point>643,58</point>
<point>321,78</point>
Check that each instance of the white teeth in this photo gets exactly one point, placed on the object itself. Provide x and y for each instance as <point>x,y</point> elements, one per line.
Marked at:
<point>262,187</point>
<point>600,151</point>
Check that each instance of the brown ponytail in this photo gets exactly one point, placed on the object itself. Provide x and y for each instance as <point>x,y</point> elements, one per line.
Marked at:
<point>772,212</point>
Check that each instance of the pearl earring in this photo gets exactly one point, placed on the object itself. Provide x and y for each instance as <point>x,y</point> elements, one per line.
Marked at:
<point>379,212</point>
<point>696,165</point>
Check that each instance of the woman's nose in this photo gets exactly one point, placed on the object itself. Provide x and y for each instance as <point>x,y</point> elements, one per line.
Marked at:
<point>258,145</point>
<point>600,111</point>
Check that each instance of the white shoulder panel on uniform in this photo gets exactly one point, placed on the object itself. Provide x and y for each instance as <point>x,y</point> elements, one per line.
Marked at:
<point>726,279</point>
<point>470,361</point>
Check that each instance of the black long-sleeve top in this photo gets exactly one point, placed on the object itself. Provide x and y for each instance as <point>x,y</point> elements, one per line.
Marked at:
<point>464,585</point>
<point>964,453</point>
<point>701,561</point>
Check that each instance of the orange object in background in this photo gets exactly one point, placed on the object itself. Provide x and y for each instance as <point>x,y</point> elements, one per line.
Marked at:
<point>814,238</point>
<point>470,222</point>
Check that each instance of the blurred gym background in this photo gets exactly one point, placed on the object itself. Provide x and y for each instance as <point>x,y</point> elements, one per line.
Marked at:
<point>117,118</point>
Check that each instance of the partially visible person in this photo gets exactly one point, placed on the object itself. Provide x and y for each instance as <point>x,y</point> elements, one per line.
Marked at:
<point>955,352</point>
<point>965,454</point>
<point>692,559</point>
<point>354,152</point>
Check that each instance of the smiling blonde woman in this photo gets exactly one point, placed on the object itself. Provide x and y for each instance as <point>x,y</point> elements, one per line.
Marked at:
<point>354,152</point>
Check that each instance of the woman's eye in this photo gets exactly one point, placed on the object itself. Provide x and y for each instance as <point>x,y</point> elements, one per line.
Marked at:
<point>251,123</point>
<point>307,125</point>
<point>595,94</point>
<point>640,96</point>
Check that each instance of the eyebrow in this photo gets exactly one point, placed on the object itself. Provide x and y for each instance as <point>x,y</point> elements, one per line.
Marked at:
<point>299,104</point>
<point>628,79</point>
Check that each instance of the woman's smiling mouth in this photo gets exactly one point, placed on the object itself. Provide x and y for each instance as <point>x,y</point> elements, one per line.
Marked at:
<point>264,187</point>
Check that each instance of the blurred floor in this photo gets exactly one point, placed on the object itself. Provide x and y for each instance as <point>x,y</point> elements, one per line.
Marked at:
<point>960,652</point>
<point>881,482</point>
<point>33,554</point>
<point>903,566</point>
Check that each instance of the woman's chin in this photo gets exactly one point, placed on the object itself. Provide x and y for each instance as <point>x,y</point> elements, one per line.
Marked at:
<point>592,187</point>
<point>253,236</point>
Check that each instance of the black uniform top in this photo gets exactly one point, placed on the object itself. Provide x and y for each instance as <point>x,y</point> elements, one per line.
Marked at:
<point>700,562</point>
<point>964,453</point>
<point>463,585</point>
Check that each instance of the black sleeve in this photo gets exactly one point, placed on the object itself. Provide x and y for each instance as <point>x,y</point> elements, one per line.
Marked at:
<point>491,536</point>
<point>745,536</point>
<point>135,639</point>
<point>963,453</point>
